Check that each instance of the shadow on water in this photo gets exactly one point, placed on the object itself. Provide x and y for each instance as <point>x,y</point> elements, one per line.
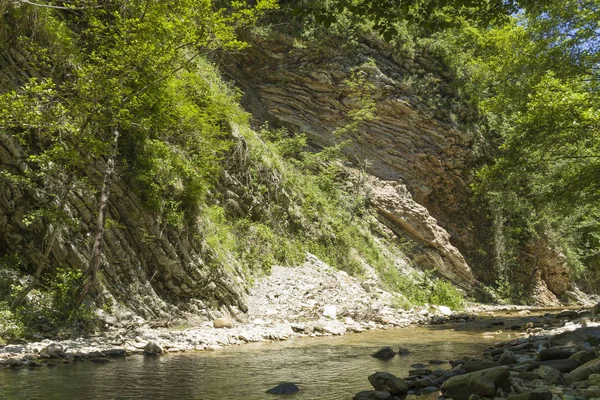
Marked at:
<point>329,367</point>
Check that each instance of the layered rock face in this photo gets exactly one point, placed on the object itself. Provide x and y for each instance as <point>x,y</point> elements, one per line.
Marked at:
<point>305,90</point>
<point>419,161</point>
<point>148,267</point>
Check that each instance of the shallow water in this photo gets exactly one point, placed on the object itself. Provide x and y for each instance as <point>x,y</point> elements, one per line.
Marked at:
<point>324,368</point>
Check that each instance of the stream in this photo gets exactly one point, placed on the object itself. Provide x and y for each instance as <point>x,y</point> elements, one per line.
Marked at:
<point>324,368</point>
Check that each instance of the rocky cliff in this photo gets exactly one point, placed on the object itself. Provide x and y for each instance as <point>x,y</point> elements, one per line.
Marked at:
<point>419,155</point>
<point>148,267</point>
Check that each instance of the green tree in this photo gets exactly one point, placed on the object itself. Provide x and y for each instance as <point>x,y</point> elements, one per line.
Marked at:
<point>536,80</point>
<point>122,100</point>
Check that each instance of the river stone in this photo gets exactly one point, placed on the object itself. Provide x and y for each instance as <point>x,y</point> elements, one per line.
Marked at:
<point>594,379</point>
<point>478,365</point>
<point>583,372</point>
<point>284,388</point>
<point>563,366</point>
<point>537,394</point>
<point>385,353</point>
<point>567,314</point>
<point>384,381</point>
<point>554,354</point>
<point>573,338</point>
<point>95,354</point>
<point>298,327</point>
<point>508,358</point>
<point>584,356</point>
<point>152,348</point>
<point>403,352</point>
<point>550,375</point>
<point>222,323</point>
<point>14,363</point>
<point>592,392</point>
<point>483,383</point>
<point>373,395</point>
<point>115,352</point>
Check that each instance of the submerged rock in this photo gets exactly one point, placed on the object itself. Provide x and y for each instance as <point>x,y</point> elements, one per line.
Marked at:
<point>373,395</point>
<point>284,388</point>
<point>385,353</point>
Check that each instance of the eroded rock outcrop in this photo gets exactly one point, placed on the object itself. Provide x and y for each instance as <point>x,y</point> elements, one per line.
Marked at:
<point>418,160</point>
<point>147,266</point>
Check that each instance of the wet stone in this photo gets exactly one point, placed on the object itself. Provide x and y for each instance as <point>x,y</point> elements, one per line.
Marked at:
<point>284,388</point>
<point>386,353</point>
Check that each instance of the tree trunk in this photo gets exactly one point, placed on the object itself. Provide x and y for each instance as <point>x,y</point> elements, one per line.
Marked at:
<point>91,281</point>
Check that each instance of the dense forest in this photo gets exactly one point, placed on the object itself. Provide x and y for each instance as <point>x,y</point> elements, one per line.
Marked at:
<point>123,122</point>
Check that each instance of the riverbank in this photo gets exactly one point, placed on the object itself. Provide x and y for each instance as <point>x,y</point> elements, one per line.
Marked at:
<point>310,300</point>
<point>554,356</point>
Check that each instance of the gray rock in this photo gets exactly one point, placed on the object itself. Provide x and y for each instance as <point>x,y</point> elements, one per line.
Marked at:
<point>563,366</point>
<point>483,383</point>
<point>100,360</point>
<point>550,375</point>
<point>570,314</point>
<point>478,365</point>
<point>554,354</point>
<point>222,323</point>
<point>284,388</point>
<point>298,327</point>
<point>115,352</point>
<point>153,348</point>
<point>385,353</point>
<point>403,352</point>
<point>584,371</point>
<point>573,338</point>
<point>594,379</point>
<point>584,356</point>
<point>592,392</point>
<point>95,354</point>
<point>384,381</point>
<point>537,394</point>
<point>508,358</point>
<point>373,395</point>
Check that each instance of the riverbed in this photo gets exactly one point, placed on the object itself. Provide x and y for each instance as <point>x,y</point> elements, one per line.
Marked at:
<point>333,367</point>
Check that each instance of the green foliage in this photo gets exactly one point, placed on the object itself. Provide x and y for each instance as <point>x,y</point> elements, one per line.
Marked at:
<point>423,288</point>
<point>50,309</point>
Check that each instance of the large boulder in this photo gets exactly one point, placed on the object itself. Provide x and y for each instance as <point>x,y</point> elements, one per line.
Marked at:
<point>589,334</point>
<point>583,372</point>
<point>384,381</point>
<point>483,383</point>
<point>550,375</point>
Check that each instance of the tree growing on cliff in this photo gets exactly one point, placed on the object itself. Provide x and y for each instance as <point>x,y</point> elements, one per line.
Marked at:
<point>129,98</point>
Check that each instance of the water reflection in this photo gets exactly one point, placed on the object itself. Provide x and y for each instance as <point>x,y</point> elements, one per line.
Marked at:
<point>332,368</point>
